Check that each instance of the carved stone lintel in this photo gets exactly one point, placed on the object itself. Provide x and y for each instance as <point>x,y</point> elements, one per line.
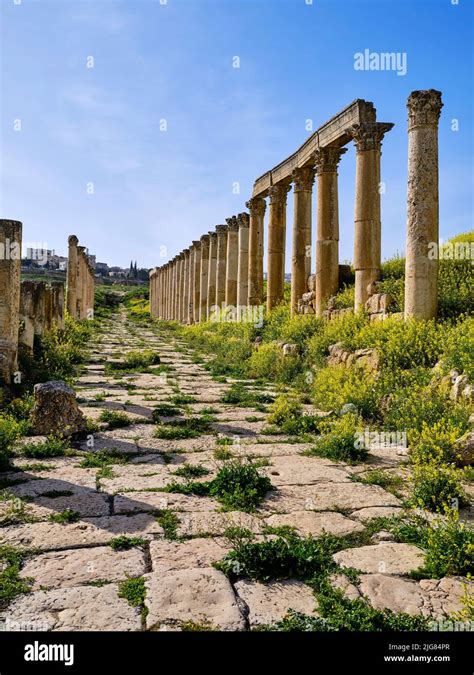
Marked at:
<point>369,136</point>
<point>256,206</point>
<point>424,107</point>
<point>303,179</point>
<point>327,159</point>
<point>278,193</point>
<point>243,219</point>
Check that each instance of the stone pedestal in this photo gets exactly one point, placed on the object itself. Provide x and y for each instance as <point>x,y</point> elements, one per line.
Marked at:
<point>221,265</point>
<point>256,206</point>
<point>212,272</point>
<point>422,249</point>
<point>204,277</point>
<point>243,220</point>
<point>232,262</point>
<point>367,242</point>
<point>276,244</point>
<point>303,180</point>
<point>197,281</point>
<point>327,243</point>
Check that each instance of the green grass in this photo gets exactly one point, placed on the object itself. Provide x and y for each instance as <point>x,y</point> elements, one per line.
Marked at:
<point>65,517</point>
<point>125,543</point>
<point>191,471</point>
<point>134,362</point>
<point>115,419</point>
<point>165,410</point>
<point>102,458</point>
<point>11,585</point>
<point>55,494</point>
<point>389,481</point>
<point>169,521</point>
<point>52,447</point>
<point>134,592</point>
<point>183,399</point>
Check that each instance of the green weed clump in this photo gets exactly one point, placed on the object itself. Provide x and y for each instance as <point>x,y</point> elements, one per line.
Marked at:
<point>51,447</point>
<point>191,427</point>
<point>65,517</point>
<point>340,441</point>
<point>10,431</point>
<point>11,585</point>
<point>436,487</point>
<point>287,414</point>
<point>102,458</point>
<point>115,419</point>
<point>134,362</point>
<point>125,543</point>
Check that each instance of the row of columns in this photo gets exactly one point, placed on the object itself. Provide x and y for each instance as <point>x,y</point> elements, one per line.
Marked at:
<point>80,281</point>
<point>225,267</point>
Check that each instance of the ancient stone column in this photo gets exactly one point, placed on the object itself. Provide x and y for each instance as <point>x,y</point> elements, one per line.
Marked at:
<point>303,179</point>
<point>197,281</point>
<point>243,220</point>
<point>212,272</point>
<point>80,287</point>
<point>72,276</point>
<point>181,287</point>
<point>422,248</point>
<point>184,317</point>
<point>175,288</point>
<point>367,241</point>
<point>204,277</point>
<point>171,300</point>
<point>276,244</point>
<point>10,270</point>
<point>167,292</point>
<point>152,291</point>
<point>327,240</point>
<point>179,294</point>
<point>232,262</point>
<point>191,286</point>
<point>256,206</point>
<point>221,264</point>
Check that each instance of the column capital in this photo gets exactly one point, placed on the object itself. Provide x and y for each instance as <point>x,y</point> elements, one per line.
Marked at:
<point>243,219</point>
<point>205,239</point>
<point>213,236</point>
<point>186,252</point>
<point>232,224</point>
<point>327,159</point>
<point>424,107</point>
<point>72,240</point>
<point>303,179</point>
<point>256,206</point>
<point>278,193</point>
<point>221,229</point>
<point>368,136</point>
<point>197,244</point>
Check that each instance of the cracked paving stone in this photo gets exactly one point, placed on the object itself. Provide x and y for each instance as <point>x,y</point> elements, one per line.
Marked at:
<point>386,557</point>
<point>172,555</point>
<point>309,522</point>
<point>268,603</point>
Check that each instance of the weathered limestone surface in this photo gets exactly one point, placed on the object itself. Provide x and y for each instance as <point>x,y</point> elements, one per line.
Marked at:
<point>232,256</point>
<point>212,272</point>
<point>10,269</point>
<point>276,244</point>
<point>203,596</point>
<point>269,603</point>
<point>388,558</point>
<point>257,207</point>
<point>221,265</point>
<point>56,411</point>
<point>421,274</point>
<point>303,180</point>
<point>204,277</point>
<point>243,260</point>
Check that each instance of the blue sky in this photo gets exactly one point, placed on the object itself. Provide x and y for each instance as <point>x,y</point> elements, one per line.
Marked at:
<point>154,191</point>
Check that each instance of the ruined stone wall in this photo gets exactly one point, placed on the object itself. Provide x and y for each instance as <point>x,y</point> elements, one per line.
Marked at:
<point>41,308</point>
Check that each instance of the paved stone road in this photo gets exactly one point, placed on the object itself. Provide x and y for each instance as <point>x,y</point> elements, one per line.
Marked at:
<point>76,573</point>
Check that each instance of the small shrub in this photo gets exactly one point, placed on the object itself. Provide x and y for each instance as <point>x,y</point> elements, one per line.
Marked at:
<point>436,487</point>
<point>339,440</point>
<point>10,431</point>
<point>115,419</point>
<point>240,486</point>
<point>191,471</point>
<point>165,410</point>
<point>52,447</point>
<point>102,458</point>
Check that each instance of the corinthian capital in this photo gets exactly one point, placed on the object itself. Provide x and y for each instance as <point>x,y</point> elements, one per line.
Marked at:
<point>221,229</point>
<point>303,179</point>
<point>232,224</point>
<point>327,159</point>
<point>256,206</point>
<point>424,107</point>
<point>278,193</point>
<point>369,136</point>
<point>243,219</point>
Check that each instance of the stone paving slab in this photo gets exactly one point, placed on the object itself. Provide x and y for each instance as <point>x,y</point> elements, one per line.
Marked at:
<point>202,596</point>
<point>268,603</point>
<point>80,608</point>
<point>82,566</point>
<point>311,523</point>
<point>386,557</point>
<point>173,555</point>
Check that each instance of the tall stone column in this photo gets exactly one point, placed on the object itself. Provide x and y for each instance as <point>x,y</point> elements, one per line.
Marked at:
<point>184,317</point>
<point>197,281</point>
<point>176,289</point>
<point>191,286</point>
<point>212,272</point>
<point>367,242</point>
<point>172,288</point>
<point>80,282</point>
<point>204,277</point>
<point>422,248</point>
<point>243,220</point>
<point>232,262</point>
<point>256,206</point>
<point>72,276</point>
<point>221,265</point>
<point>179,296</point>
<point>276,244</point>
<point>327,240</point>
<point>303,179</point>
<point>168,291</point>
<point>10,271</point>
